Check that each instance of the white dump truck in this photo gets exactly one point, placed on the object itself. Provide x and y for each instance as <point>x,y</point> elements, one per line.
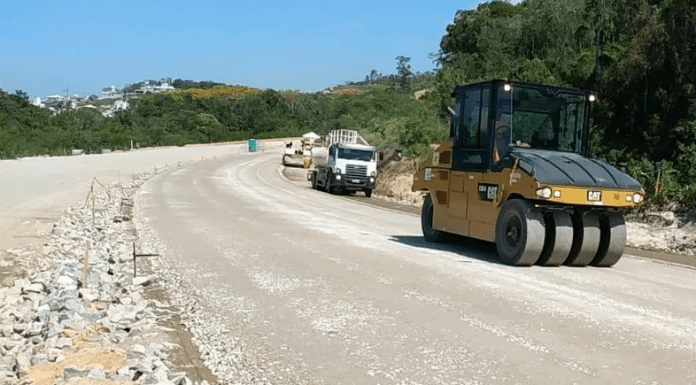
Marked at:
<point>346,162</point>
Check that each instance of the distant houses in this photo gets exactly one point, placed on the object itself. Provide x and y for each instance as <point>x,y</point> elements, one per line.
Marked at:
<point>148,88</point>
<point>110,92</point>
<point>119,96</point>
<point>56,103</point>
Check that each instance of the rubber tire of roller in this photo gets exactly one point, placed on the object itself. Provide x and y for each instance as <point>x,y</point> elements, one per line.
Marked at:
<point>586,237</point>
<point>559,238</point>
<point>427,212</point>
<point>519,233</point>
<point>613,240</point>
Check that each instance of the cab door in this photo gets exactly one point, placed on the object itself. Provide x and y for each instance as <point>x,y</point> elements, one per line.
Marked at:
<point>471,158</point>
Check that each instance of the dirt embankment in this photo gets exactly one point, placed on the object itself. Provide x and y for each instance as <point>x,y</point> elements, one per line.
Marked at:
<point>394,183</point>
<point>663,232</point>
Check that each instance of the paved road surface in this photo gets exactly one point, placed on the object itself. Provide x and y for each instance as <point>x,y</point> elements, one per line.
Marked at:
<point>36,190</point>
<point>339,292</point>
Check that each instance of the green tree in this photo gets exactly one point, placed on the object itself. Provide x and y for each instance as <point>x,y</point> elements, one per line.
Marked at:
<point>21,94</point>
<point>404,71</point>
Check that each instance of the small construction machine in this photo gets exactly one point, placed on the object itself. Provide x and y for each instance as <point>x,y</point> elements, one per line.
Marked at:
<point>515,171</point>
<point>346,162</point>
<point>301,157</point>
<point>292,156</point>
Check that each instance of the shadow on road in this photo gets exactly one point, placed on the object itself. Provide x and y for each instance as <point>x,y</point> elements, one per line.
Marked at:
<point>465,247</point>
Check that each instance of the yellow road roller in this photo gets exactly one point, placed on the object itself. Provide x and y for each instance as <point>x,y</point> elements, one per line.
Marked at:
<point>515,171</point>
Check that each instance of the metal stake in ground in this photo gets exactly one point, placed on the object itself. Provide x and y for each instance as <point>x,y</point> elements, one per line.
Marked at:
<point>135,255</point>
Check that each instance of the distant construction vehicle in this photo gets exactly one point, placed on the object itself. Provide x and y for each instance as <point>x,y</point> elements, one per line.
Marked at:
<point>346,162</point>
<point>515,172</point>
<point>301,157</point>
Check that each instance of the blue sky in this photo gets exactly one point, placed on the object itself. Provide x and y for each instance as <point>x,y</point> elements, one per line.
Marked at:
<point>49,46</point>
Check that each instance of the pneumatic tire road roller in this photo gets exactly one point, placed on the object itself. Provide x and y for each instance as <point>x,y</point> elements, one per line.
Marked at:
<point>515,171</point>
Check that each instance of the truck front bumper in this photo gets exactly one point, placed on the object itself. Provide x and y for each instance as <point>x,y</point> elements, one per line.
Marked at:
<point>354,182</point>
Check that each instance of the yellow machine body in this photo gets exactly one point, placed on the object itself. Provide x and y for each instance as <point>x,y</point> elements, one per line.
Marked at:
<point>469,177</point>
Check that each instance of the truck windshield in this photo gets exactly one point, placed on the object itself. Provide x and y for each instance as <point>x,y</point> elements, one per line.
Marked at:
<point>353,154</point>
<point>542,118</point>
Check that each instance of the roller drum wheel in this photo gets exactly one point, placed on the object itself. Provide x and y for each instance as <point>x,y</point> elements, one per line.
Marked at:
<point>427,212</point>
<point>519,233</point>
<point>586,237</point>
<point>612,241</point>
<point>559,239</point>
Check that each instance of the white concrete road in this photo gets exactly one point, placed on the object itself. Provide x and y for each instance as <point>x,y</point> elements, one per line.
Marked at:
<point>339,292</point>
<point>35,191</point>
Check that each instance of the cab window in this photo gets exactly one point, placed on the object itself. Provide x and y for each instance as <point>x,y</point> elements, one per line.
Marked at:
<point>471,118</point>
<point>472,132</point>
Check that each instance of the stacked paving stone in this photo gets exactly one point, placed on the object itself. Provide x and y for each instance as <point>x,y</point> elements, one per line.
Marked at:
<point>40,312</point>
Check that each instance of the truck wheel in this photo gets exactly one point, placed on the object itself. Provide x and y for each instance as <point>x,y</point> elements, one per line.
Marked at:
<point>429,233</point>
<point>314,180</point>
<point>368,192</point>
<point>327,185</point>
<point>559,239</point>
<point>519,233</point>
<point>612,240</point>
<point>586,237</point>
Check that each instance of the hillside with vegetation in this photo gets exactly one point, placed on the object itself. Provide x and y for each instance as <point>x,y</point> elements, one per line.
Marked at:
<point>637,55</point>
<point>384,110</point>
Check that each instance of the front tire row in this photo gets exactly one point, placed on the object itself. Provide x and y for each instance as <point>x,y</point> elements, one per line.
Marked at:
<point>332,189</point>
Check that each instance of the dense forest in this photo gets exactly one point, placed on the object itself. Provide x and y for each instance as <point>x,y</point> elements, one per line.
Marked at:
<point>638,56</point>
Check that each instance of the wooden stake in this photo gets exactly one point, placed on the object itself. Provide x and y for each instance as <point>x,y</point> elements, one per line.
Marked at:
<point>91,188</point>
<point>85,266</point>
<point>93,203</point>
<point>104,187</point>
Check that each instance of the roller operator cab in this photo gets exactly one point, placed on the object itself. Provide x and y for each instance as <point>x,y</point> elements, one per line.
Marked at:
<point>515,171</point>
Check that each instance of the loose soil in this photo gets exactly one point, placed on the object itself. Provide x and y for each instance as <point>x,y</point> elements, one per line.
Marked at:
<point>394,183</point>
<point>83,357</point>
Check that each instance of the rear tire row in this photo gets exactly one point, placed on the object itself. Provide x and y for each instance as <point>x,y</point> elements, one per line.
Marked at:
<point>558,238</point>
<point>526,235</point>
